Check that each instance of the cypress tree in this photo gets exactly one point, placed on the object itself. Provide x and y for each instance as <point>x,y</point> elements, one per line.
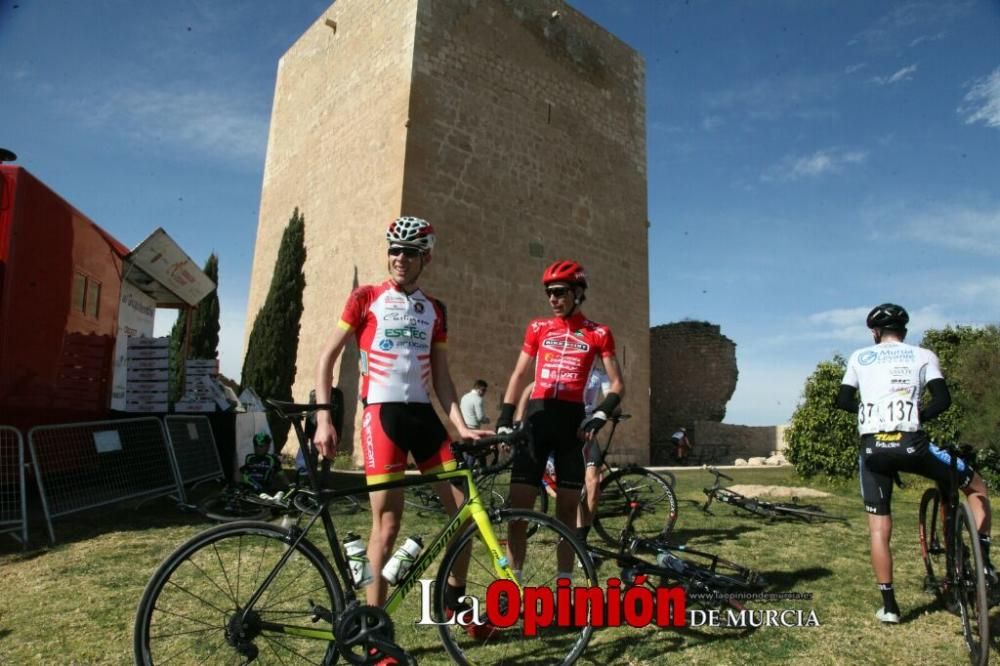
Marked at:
<point>204,330</point>
<point>269,366</point>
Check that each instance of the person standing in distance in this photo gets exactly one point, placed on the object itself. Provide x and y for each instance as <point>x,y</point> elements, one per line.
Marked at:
<point>472,405</point>
<point>563,348</point>
<point>891,377</point>
<point>401,334</point>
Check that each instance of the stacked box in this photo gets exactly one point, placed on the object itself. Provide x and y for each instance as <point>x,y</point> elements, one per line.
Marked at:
<point>202,392</point>
<point>147,379</point>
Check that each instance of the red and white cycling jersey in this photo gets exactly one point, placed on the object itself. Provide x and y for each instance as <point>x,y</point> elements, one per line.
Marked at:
<point>395,333</point>
<point>564,351</point>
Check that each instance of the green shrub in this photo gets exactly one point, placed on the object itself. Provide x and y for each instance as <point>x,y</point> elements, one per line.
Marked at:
<point>821,438</point>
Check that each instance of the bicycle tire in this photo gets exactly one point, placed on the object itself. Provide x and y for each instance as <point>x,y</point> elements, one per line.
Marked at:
<point>970,589</point>
<point>811,514</point>
<point>229,506</point>
<point>424,501</point>
<point>657,512</point>
<point>539,568</point>
<point>189,604</point>
<point>932,548</point>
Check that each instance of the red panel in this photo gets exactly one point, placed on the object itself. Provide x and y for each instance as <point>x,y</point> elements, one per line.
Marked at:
<point>55,362</point>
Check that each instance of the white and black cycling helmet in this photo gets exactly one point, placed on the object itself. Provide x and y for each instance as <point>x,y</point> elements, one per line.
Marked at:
<point>889,316</point>
<point>411,232</point>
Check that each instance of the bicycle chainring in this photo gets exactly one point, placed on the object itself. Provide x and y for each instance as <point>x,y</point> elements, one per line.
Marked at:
<point>361,632</point>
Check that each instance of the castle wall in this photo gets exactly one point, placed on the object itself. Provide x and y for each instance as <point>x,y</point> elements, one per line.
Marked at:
<point>520,136</point>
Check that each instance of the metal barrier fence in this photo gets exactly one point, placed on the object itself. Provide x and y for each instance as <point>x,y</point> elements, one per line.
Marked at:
<point>13,499</point>
<point>194,448</point>
<point>80,466</point>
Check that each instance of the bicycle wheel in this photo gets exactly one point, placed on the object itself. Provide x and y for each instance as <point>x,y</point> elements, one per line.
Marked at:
<point>656,505</point>
<point>190,611</point>
<point>970,588</point>
<point>230,505</point>
<point>932,543</point>
<point>538,569</point>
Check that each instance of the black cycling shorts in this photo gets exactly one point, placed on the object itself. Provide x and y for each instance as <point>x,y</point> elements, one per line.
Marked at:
<point>886,453</point>
<point>553,425</point>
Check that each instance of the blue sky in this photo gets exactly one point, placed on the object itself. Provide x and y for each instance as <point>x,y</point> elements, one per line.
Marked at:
<point>807,160</point>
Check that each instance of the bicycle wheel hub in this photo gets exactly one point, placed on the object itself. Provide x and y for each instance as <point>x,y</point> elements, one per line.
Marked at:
<point>241,632</point>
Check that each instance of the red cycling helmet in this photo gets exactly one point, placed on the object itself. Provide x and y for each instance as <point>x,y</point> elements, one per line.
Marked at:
<point>565,270</point>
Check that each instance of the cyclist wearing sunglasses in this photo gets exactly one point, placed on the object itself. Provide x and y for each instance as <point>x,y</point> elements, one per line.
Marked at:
<point>564,349</point>
<point>401,334</point>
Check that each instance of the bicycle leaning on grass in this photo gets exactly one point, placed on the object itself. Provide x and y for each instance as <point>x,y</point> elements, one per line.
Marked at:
<point>759,507</point>
<point>954,560</point>
<point>708,581</point>
<point>254,591</point>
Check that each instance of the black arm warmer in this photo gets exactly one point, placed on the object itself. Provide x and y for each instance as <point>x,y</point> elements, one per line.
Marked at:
<point>609,404</point>
<point>506,418</point>
<point>940,400</point>
<point>846,399</point>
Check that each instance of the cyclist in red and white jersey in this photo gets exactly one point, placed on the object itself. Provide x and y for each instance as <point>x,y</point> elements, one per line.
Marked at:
<point>891,377</point>
<point>401,333</point>
<point>563,348</point>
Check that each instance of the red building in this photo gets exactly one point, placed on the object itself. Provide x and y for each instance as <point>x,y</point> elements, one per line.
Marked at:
<point>67,291</point>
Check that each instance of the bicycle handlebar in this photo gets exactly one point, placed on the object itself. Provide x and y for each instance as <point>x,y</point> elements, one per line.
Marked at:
<point>292,410</point>
<point>718,474</point>
<point>486,447</point>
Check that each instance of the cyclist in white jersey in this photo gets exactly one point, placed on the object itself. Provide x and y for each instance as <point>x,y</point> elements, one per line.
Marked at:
<point>891,377</point>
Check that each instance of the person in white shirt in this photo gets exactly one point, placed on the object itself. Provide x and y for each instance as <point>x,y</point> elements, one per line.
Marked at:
<point>891,377</point>
<point>472,405</point>
<point>598,385</point>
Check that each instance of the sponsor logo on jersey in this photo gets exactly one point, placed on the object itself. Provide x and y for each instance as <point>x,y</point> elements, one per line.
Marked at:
<point>418,306</point>
<point>405,318</point>
<point>390,298</point>
<point>564,344</point>
<point>867,358</point>
<point>900,371</point>
<point>545,373</point>
<point>385,344</point>
<point>411,332</point>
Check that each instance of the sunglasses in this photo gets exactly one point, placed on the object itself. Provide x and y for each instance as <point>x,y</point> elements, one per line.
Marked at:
<point>409,252</point>
<point>558,292</point>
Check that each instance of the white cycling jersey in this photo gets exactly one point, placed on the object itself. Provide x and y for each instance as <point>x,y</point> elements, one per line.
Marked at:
<point>890,377</point>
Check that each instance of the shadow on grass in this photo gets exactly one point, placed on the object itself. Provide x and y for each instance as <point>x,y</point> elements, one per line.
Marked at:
<point>137,515</point>
<point>783,581</point>
<point>710,536</point>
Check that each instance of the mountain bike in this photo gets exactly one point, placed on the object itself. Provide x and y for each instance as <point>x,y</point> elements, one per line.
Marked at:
<point>254,591</point>
<point>770,510</point>
<point>954,560</point>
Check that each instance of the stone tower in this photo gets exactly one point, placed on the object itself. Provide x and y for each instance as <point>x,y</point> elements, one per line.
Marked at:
<point>516,127</point>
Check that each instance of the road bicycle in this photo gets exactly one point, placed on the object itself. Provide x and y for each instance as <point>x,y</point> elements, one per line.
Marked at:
<point>954,560</point>
<point>633,496</point>
<point>243,502</point>
<point>758,507</point>
<point>255,591</point>
<point>709,581</point>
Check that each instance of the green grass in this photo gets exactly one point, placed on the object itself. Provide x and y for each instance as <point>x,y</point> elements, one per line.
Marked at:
<point>74,603</point>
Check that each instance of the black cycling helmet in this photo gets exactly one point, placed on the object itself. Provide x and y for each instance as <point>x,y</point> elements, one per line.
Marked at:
<point>889,316</point>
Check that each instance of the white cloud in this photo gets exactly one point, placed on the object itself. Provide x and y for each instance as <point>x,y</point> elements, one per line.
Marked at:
<point>851,69</point>
<point>982,102</point>
<point>904,74</point>
<point>983,293</point>
<point>819,164</point>
<point>974,230</point>
<point>207,123</point>
<point>927,38</point>
<point>709,123</point>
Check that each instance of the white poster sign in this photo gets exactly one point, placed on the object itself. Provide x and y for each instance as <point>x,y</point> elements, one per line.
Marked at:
<point>135,317</point>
